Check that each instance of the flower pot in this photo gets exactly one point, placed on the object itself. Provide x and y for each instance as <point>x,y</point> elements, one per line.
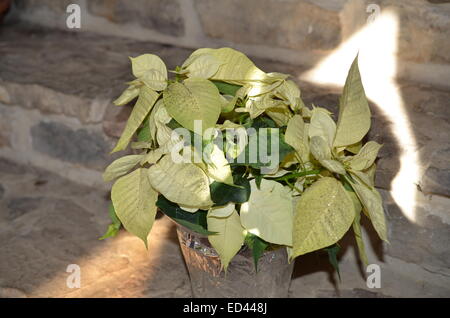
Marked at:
<point>241,280</point>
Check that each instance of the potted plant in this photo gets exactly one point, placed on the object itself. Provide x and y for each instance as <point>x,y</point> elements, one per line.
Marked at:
<point>252,177</point>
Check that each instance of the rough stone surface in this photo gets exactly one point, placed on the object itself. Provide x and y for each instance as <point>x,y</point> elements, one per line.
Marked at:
<point>425,23</point>
<point>352,293</point>
<point>32,68</point>
<point>423,242</point>
<point>17,207</point>
<point>5,130</point>
<point>78,146</point>
<point>161,16</point>
<point>436,179</point>
<point>48,101</point>
<point>288,24</point>
<point>6,292</point>
<point>429,115</point>
<point>115,120</point>
<point>59,225</point>
<point>58,6</point>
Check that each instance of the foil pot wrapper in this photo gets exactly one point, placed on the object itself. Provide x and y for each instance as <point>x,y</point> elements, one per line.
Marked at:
<point>208,278</point>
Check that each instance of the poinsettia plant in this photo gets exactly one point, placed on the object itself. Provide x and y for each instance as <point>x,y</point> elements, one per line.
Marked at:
<point>231,152</point>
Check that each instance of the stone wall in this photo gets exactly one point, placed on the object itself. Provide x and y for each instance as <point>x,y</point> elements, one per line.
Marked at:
<point>56,105</point>
<point>56,88</point>
<point>297,32</point>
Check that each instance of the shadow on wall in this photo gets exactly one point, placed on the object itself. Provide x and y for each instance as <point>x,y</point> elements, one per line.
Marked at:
<point>410,121</point>
<point>376,45</point>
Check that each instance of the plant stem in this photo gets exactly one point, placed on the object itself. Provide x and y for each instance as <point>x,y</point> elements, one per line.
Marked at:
<point>295,175</point>
<point>293,187</point>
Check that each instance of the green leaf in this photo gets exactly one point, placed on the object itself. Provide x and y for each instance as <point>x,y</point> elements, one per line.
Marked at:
<point>201,66</point>
<point>196,99</point>
<point>332,257</point>
<point>322,125</point>
<point>217,166</point>
<point>194,227</point>
<point>359,239</point>
<point>121,166</point>
<point>268,212</point>
<point>151,70</point>
<point>110,232</point>
<point>141,145</point>
<point>193,221</point>
<point>354,113</point>
<point>372,202</point>
<point>157,118</point>
<point>370,172</point>
<point>258,180</point>
<point>297,136</point>
<point>134,202</point>
<point>127,96</point>
<point>365,157</point>
<point>236,68</point>
<point>114,227</point>
<point>228,103</point>
<point>143,132</point>
<point>319,148</point>
<point>356,222</point>
<point>321,151</point>
<point>222,193</point>
<point>259,157</point>
<point>324,213</point>
<point>229,238</point>
<point>278,76</point>
<point>355,148</point>
<point>112,214</point>
<point>364,177</point>
<point>227,88</point>
<point>333,166</point>
<point>153,156</point>
<point>356,203</point>
<point>182,183</point>
<point>290,92</point>
<point>159,125</point>
<point>154,79</point>
<point>144,104</point>
<point>263,122</point>
<point>194,56</point>
<point>222,211</point>
<point>146,62</point>
<point>280,114</point>
<point>257,245</point>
